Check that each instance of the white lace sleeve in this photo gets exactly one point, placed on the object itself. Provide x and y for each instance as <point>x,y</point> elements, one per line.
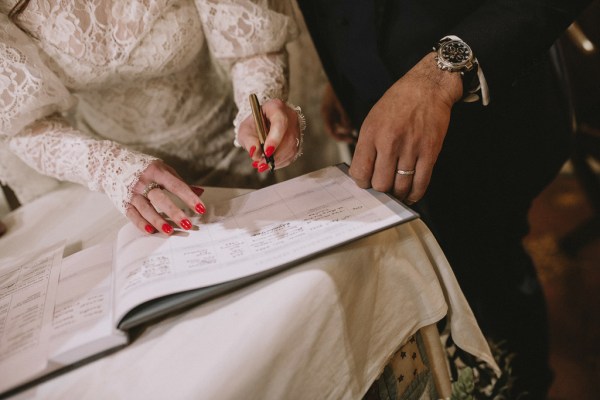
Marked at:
<point>250,37</point>
<point>29,93</point>
<point>54,148</point>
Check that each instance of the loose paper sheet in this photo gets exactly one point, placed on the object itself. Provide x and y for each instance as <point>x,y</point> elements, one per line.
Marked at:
<point>27,294</point>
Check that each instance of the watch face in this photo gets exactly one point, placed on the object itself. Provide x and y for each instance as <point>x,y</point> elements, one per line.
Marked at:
<point>455,54</point>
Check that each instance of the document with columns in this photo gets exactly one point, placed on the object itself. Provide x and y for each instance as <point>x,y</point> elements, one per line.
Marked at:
<point>247,238</point>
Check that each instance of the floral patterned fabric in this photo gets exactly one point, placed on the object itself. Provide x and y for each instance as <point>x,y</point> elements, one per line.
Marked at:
<point>407,376</point>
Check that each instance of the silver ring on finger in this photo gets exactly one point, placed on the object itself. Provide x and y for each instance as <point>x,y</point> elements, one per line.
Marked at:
<point>149,187</point>
<point>405,171</point>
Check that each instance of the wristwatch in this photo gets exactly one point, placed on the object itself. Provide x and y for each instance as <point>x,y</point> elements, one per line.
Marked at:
<point>454,55</point>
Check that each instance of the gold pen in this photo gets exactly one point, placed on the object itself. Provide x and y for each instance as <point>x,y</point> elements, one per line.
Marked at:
<point>259,121</point>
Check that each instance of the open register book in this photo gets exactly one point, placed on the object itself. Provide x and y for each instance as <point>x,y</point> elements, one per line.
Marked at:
<point>56,312</point>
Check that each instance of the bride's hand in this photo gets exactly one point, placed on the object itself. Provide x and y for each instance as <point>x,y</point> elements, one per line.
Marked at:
<point>149,196</point>
<point>283,138</point>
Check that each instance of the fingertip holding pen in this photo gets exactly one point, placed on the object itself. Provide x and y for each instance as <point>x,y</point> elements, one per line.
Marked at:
<point>259,122</point>
<point>263,167</point>
<point>269,151</point>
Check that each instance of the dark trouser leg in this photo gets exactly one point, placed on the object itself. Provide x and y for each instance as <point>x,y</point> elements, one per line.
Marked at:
<point>492,166</point>
<point>501,286</point>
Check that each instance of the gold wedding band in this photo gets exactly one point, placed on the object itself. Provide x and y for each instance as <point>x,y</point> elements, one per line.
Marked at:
<point>405,172</point>
<point>149,187</point>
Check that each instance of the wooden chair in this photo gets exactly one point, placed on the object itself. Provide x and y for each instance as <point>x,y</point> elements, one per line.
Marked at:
<point>438,361</point>
<point>577,61</point>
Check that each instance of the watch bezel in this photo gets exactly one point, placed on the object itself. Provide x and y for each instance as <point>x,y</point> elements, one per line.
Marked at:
<point>452,66</point>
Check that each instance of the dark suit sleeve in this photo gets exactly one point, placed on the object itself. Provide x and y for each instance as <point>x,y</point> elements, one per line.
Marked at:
<point>510,36</point>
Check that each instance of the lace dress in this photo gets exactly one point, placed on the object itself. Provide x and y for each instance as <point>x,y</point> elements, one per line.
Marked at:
<point>101,87</point>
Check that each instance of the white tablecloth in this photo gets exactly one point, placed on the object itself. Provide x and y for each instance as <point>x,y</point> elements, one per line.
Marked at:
<point>321,330</point>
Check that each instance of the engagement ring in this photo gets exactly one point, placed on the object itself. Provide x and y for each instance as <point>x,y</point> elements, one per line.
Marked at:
<point>149,187</point>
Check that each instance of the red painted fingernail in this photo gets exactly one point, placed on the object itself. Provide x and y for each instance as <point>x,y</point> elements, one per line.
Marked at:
<point>269,151</point>
<point>197,190</point>
<point>149,228</point>
<point>186,224</point>
<point>255,164</point>
<point>263,167</point>
<point>252,150</point>
<point>200,209</point>
<point>168,229</point>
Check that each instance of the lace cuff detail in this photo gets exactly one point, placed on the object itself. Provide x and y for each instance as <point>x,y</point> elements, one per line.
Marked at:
<point>118,182</point>
<point>55,149</point>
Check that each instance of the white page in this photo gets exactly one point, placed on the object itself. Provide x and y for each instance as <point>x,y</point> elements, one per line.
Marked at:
<point>249,234</point>
<point>27,293</point>
<point>83,323</point>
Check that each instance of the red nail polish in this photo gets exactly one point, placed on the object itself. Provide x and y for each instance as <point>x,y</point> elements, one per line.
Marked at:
<point>269,151</point>
<point>149,228</point>
<point>252,150</point>
<point>197,190</point>
<point>186,224</point>
<point>263,167</point>
<point>200,209</point>
<point>168,229</point>
<point>255,164</point>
